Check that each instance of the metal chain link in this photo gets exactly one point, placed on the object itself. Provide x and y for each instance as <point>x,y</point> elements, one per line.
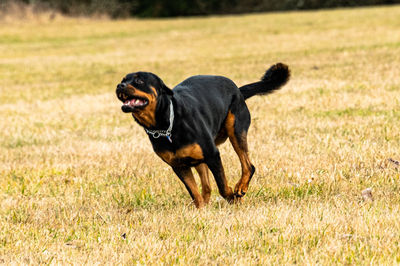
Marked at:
<point>165,133</point>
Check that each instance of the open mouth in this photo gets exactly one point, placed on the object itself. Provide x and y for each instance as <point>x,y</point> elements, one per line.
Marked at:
<point>135,102</point>
<point>132,103</point>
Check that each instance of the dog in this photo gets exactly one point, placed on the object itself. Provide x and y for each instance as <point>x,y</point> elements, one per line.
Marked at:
<point>185,125</point>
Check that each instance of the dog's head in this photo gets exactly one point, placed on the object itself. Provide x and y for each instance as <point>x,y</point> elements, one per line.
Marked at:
<point>139,93</point>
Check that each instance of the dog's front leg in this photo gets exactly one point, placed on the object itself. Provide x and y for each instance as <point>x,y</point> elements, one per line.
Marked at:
<point>186,176</point>
<point>214,163</point>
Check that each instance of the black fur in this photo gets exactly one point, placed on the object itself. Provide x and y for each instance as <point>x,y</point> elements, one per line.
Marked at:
<point>274,78</point>
<point>207,110</point>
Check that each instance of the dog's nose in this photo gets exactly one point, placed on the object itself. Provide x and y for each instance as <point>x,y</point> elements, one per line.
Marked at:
<point>122,85</point>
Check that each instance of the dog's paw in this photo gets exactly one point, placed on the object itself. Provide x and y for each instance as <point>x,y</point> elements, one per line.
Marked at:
<point>240,189</point>
<point>238,200</point>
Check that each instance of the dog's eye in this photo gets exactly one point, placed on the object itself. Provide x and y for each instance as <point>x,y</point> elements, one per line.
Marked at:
<point>138,81</point>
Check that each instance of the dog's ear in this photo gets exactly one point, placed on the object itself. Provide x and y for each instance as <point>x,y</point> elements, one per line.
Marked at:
<point>165,89</point>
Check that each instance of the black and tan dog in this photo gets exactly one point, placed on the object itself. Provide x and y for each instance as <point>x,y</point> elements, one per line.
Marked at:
<point>185,125</point>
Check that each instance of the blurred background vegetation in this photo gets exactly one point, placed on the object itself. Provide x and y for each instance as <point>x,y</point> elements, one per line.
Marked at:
<point>172,8</point>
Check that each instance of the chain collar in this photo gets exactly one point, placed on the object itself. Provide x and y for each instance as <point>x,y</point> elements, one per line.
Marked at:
<point>165,133</point>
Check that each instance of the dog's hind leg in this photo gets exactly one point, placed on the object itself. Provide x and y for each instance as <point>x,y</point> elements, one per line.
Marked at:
<point>186,176</point>
<point>202,169</point>
<point>237,124</point>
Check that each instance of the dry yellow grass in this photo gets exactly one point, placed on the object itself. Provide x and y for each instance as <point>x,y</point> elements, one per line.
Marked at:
<point>80,184</point>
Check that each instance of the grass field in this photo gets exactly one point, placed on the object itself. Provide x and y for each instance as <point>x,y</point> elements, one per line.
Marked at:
<point>79,182</point>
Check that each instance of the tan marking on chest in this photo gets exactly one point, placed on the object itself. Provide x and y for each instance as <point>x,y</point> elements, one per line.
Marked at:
<point>193,151</point>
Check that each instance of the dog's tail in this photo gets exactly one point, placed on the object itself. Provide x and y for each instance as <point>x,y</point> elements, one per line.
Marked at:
<point>274,78</point>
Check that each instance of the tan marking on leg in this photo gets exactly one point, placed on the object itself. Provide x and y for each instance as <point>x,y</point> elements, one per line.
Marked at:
<point>187,178</point>
<point>166,156</point>
<point>242,152</point>
<point>217,170</point>
<point>191,184</point>
<point>202,169</point>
